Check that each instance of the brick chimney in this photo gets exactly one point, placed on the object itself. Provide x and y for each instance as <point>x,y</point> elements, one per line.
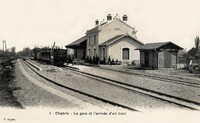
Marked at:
<point>97,22</point>
<point>125,18</point>
<point>109,17</point>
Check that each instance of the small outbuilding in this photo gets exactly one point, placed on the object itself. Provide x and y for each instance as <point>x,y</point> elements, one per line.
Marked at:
<point>159,55</point>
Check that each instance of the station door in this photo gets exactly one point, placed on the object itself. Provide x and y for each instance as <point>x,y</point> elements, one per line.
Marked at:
<point>146,59</point>
<point>168,59</point>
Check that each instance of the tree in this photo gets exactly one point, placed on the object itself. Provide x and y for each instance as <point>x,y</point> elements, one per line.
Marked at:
<point>1,53</point>
<point>13,49</point>
<point>193,54</point>
<point>26,52</point>
<point>193,51</point>
<point>197,55</point>
<point>182,55</point>
<point>13,53</point>
<point>197,42</point>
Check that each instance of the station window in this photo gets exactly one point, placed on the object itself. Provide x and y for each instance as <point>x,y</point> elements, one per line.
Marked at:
<point>104,53</point>
<point>125,53</point>
<point>89,52</point>
<point>95,39</point>
<point>89,41</point>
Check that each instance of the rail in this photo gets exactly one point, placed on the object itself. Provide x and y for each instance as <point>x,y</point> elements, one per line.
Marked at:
<point>162,96</point>
<point>81,92</point>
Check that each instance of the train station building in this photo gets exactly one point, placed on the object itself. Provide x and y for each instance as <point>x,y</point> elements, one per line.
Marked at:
<point>159,55</point>
<point>113,39</point>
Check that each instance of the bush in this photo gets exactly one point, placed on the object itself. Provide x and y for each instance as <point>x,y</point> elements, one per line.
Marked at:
<point>194,69</point>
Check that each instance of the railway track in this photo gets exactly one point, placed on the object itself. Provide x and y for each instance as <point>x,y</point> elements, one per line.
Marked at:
<point>160,77</point>
<point>162,96</point>
<point>80,92</point>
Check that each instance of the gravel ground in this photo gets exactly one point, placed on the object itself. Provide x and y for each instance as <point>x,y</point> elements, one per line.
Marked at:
<point>171,73</point>
<point>122,96</point>
<point>80,102</point>
<point>186,92</point>
<point>32,96</point>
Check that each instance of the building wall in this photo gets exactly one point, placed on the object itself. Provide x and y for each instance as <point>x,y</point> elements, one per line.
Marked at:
<point>161,60</point>
<point>79,53</point>
<point>115,50</point>
<point>174,59</point>
<point>70,51</point>
<point>114,28</point>
<point>142,58</point>
<point>105,33</point>
<point>103,53</point>
<point>153,59</point>
<point>92,44</point>
<point>167,59</point>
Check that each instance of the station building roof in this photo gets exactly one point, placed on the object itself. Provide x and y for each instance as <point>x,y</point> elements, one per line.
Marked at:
<point>116,38</point>
<point>159,45</point>
<point>77,42</point>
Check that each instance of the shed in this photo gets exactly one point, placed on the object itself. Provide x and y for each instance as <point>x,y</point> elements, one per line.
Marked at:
<point>159,55</point>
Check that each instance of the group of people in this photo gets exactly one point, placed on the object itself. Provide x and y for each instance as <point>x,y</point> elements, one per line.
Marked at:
<point>94,60</point>
<point>111,61</point>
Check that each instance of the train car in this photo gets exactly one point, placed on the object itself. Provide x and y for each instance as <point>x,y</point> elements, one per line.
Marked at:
<point>44,55</point>
<point>56,56</point>
<point>59,57</point>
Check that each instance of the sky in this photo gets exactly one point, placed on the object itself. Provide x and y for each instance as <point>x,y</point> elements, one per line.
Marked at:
<point>30,23</point>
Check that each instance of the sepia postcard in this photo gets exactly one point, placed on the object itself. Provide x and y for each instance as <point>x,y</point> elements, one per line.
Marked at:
<point>134,61</point>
